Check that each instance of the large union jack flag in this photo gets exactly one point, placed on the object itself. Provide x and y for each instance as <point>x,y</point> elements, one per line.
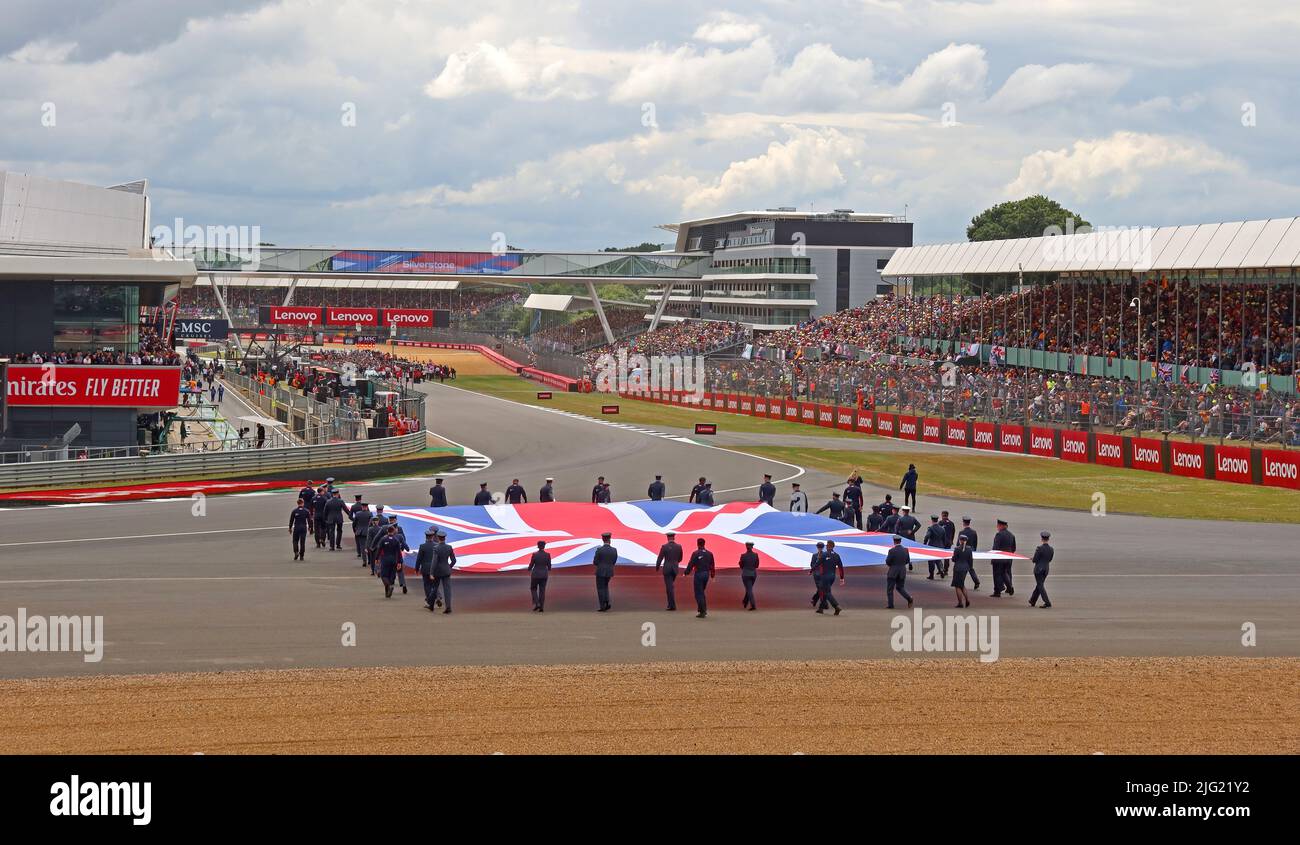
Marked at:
<point>501,538</point>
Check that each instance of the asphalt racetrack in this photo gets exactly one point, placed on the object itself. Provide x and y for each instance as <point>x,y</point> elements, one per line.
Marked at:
<point>219,591</point>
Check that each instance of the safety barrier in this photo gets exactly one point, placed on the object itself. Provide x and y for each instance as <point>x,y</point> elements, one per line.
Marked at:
<point>1224,462</point>
<point>64,474</point>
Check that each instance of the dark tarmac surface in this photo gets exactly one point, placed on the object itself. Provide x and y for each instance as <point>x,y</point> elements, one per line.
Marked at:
<point>186,592</point>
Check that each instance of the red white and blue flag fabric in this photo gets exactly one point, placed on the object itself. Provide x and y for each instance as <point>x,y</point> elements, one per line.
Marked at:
<point>501,538</point>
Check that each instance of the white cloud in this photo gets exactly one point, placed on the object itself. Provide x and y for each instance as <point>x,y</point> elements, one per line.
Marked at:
<point>955,72</point>
<point>1116,166</point>
<point>1032,86</point>
<point>690,75</point>
<point>727,28</point>
<point>818,75</point>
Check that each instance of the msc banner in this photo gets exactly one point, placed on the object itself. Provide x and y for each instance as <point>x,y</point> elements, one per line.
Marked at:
<point>201,329</point>
<point>75,385</point>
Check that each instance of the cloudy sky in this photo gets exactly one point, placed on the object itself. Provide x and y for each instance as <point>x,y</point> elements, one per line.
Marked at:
<point>579,125</point>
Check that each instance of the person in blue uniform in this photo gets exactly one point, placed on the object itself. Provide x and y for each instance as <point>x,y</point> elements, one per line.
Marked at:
<point>605,559</point>
<point>656,490</point>
<point>483,497</point>
<point>437,494</point>
<point>444,559</point>
<point>749,574</point>
<point>670,555</point>
<point>934,535</point>
<point>897,562</point>
<point>390,558</point>
<point>539,570</point>
<point>767,490</point>
<point>701,563</point>
<point>401,535</point>
<point>335,510</point>
<point>1003,541</point>
<point>695,491</point>
<point>962,561</point>
<point>424,565</point>
<point>815,567</point>
<point>887,507</point>
<point>600,494</point>
<point>318,503</point>
<point>973,540</point>
<point>706,495</point>
<point>547,493</point>
<point>874,519</point>
<point>360,522</point>
<point>908,485</point>
<point>832,567</point>
<point>1042,566</point>
<point>299,519</point>
<point>853,504</point>
<point>515,494</point>
<point>835,506</point>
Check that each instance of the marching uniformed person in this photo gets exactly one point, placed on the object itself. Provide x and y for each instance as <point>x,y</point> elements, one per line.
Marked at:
<point>831,567</point>
<point>375,533</point>
<point>335,508</point>
<point>706,495</point>
<point>547,493</point>
<point>600,494</point>
<point>1003,541</point>
<point>767,490</point>
<point>605,559</point>
<point>515,494</point>
<point>887,507</point>
<point>483,497</point>
<point>695,491</point>
<point>815,567</point>
<point>401,570</point>
<point>907,524</point>
<point>437,494</point>
<point>318,515</point>
<point>670,554</point>
<point>1042,566</point>
<point>897,561</point>
<point>874,519</point>
<point>299,519</point>
<point>853,505</point>
<point>835,506</point>
<point>749,574</point>
<point>798,499</point>
<point>972,539</point>
<point>360,522</point>
<point>701,563</point>
<point>307,494</point>
<point>963,561</point>
<point>390,558</point>
<point>424,565</point>
<point>889,525</point>
<point>444,559</point>
<point>949,529</point>
<point>934,537</point>
<point>908,485</point>
<point>656,489</point>
<point>539,567</point>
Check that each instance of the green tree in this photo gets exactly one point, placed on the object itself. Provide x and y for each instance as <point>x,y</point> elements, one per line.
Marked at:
<point>1026,218</point>
<point>645,246</point>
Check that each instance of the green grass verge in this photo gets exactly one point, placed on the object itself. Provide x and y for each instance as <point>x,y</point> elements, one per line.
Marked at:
<point>1043,482</point>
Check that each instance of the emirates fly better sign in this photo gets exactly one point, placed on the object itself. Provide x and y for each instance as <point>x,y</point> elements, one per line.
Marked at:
<point>78,385</point>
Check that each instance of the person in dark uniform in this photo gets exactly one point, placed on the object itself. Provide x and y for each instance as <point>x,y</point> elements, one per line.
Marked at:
<point>299,519</point>
<point>908,485</point>
<point>437,494</point>
<point>695,491</point>
<point>962,562</point>
<point>897,562</point>
<point>874,519</point>
<point>701,563</point>
<point>798,499</point>
<point>600,494</point>
<point>767,490</point>
<point>515,494</point>
<point>853,505</point>
<point>307,494</point>
<point>547,493</point>
<point>831,567</point>
<point>972,540</point>
<point>318,515</point>
<point>539,567</point>
<point>375,533</point>
<point>360,522</point>
<point>335,509</point>
<point>1003,541</point>
<point>934,537</point>
<point>907,524</point>
<point>706,496</point>
<point>670,554</point>
<point>889,525</point>
<point>749,574</point>
<point>835,506</point>
<point>390,558</point>
<point>655,492</point>
<point>424,565</point>
<point>483,497</point>
<point>444,558</point>
<point>887,507</point>
<point>401,535</point>
<point>1042,566</point>
<point>815,567</point>
<point>949,536</point>
<point>605,559</point>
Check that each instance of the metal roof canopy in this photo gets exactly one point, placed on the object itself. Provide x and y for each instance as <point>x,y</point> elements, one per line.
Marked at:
<point>1259,244</point>
<point>572,302</point>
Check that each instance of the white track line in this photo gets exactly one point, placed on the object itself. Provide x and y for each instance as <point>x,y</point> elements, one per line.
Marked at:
<point>144,536</point>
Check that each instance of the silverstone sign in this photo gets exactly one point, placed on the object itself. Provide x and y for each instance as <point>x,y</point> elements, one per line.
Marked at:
<point>80,386</point>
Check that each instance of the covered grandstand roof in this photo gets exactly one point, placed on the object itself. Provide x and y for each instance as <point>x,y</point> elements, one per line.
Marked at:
<point>1260,244</point>
<point>566,302</point>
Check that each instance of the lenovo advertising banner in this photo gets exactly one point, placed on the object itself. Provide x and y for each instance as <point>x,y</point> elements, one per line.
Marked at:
<point>1281,469</point>
<point>982,434</point>
<point>733,403</point>
<point>1108,450</point>
<point>886,425</point>
<point>1146,453</point>
<point>1187,459</point>
<point>792,413</point>
<point>416,318</point>
<point>931,430</point>
<point>776,408</point>
<point>909,427</point>
<point>1232,463</point>
<point>1011,438</point>
<point>92,386</point>
<point>1074,446</point>
<point>335,316</point>
<point>707,402</point>
<point>844,419</point>
<point>1042,442</point>
<point>760,406</point>
<point>955,433</point>
<point>864,421</point>
<point>747,405</point>
<point>826,416</point>
<point>290,315</point>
